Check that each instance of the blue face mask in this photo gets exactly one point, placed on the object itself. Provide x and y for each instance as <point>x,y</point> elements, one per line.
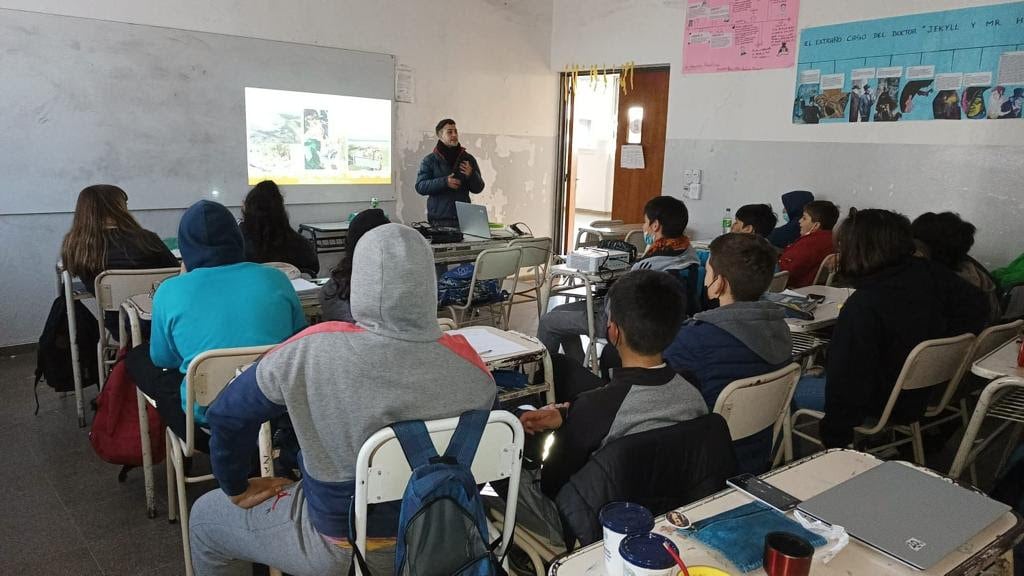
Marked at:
<point>785,217</point>
<point>648,239</point>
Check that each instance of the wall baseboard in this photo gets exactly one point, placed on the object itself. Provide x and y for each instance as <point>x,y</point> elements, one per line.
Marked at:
<point>19,349</point>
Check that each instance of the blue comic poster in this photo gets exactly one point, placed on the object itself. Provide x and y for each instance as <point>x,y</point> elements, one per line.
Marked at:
<point>965,64</point>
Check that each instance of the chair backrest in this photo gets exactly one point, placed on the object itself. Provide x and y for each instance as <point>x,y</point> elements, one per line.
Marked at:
<point>536,251</point>
<point>661,469</point>
<point>497,263</point>
<point>752,404</point>
<point>605,223</point>
<point>382,472</point>
<point>113,287</point>
<point>289,269</point>
<point>446,324</point>
<point>930,363</point>
<point>779,281</point>
<point>826,272</point>
<point>636,238</point>
<point>208,374</point>
<point>994,337</point>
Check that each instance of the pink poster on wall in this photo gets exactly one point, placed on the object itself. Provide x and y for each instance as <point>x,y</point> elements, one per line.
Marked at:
<point>736,35</point>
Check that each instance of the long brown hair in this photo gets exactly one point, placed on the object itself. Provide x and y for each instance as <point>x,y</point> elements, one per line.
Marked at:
<point>101,207</point>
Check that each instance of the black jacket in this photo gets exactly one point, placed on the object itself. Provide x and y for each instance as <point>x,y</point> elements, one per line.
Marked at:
<point>661,469</point>
<point>889,314</point>
<point>295,250</point>
<point>636,400</point>
<point>123,254</point>
<point>432,182</point>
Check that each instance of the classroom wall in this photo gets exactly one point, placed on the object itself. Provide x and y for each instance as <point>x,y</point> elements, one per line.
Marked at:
<point>737,128</point>
<point>483,62</point>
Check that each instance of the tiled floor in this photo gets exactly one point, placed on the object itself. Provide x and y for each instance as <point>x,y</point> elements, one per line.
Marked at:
<point>63,512</point>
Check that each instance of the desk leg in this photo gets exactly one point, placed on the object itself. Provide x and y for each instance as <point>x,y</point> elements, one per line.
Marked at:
<point>76,369</point>
<point>141,404</point>
<point>591,355</point>
<point>549,377</point>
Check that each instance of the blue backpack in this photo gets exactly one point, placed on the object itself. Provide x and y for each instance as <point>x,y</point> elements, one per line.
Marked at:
<point>453,287</point>
<point>442,529</point>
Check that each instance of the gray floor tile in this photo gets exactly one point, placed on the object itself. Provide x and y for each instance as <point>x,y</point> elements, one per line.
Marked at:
<point>75,562</point>
<point>154,545</point>
<point>34,523</point>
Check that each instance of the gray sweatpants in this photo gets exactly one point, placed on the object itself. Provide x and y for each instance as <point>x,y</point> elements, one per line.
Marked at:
<point>564,325</point>
<point>227,540</point>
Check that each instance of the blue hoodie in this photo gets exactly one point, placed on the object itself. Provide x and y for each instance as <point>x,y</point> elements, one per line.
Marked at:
<point>793,203</point>
<point>222,301</point>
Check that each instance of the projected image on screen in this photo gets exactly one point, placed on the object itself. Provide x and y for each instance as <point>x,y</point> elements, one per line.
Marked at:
<point>305,138</point>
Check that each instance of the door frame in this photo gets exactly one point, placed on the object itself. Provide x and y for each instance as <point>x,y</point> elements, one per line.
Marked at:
<point>563,166</point>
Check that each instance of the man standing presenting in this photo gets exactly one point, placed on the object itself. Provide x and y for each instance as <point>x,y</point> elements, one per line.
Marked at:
<point>447,175</point>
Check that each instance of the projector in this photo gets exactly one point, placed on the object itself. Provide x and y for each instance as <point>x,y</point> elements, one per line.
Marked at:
<point>597,260</point>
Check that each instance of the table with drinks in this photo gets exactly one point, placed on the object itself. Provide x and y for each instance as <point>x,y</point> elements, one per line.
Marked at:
<point>988,552</point>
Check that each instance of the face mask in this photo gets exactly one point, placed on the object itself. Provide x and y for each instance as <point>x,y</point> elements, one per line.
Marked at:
<point>648,239</point>
<point>785,217</point>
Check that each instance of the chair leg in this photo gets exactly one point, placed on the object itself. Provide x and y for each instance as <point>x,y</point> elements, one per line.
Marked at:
<point>186,546</point>
<point>966,421</point>
<point>172,487</point>
<point>915,431</point>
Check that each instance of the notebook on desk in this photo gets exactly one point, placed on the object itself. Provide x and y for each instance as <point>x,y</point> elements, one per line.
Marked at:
<point>905,513</point>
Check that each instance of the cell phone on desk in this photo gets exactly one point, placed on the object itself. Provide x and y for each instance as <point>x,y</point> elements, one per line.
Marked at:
<point>764,492</point>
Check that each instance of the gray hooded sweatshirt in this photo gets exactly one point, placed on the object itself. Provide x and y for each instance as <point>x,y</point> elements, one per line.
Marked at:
<point>342,382</point>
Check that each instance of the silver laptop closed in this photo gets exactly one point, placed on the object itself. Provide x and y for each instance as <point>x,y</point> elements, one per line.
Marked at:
<point>909,515</point>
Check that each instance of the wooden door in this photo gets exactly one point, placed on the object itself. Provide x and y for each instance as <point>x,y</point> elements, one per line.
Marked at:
<point>632,188</point>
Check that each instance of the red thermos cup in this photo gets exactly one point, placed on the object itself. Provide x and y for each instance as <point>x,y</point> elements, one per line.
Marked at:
<point>787,554</point>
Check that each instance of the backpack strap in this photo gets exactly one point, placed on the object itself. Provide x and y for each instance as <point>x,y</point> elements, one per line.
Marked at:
<point>466,439</point>
<point>416,443</point>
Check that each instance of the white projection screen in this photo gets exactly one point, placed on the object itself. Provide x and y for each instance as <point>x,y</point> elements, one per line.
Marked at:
<point>304,138</point>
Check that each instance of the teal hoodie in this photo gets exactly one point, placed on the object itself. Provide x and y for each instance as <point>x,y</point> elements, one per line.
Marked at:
<point>221,302</point>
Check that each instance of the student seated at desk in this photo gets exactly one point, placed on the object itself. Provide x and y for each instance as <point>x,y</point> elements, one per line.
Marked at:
<point>334,295</point>
<point>757,219</point>
<point>220,302</point>
<point>945,238</point>
<point>793,205</point>
<point>105,236</point>
<point>340,383</point>
<point>900,301</point>
<point>269,236</point>
<point>743,337</point>
<point>803,257</point>
<point>668,248</point>
<point>645,310</point>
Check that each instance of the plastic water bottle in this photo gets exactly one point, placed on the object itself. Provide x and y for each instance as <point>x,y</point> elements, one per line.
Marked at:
<point>374,202</point>
<point>727,221</point>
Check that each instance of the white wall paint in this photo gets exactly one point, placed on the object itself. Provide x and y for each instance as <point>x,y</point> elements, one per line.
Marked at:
<point>712,114</point>
<point>483,62</point>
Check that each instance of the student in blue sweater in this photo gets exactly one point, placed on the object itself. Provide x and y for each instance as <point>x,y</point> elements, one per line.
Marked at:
<point>743,337</point>
<point>220,302</point>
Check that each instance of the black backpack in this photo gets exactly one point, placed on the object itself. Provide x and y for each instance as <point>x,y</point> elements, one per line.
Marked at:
<point>53,360</point>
